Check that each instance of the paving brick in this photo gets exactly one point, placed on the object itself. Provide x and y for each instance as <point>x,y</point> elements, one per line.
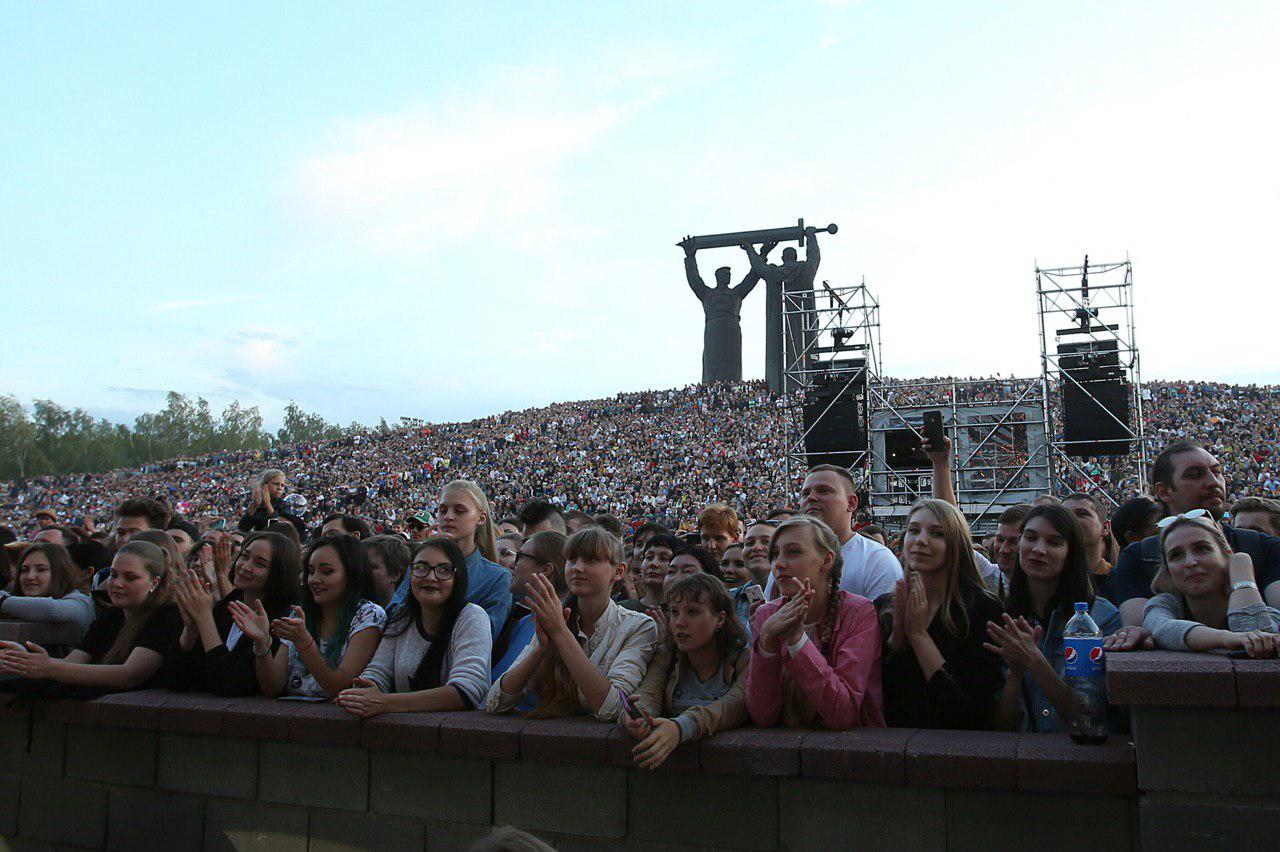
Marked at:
<point>262,718</point>
<point>1176,822</point>
<point>1003,819</point>
<point>1257,683</point>
<point>336,831</point>
<point>146,819</point>
<point>9,798</point>
<point>1053,762</point>
<point>724,810</point>
<point>822,814</point>
<point>431,786</point>
<point>69,711</point>
<point>753,751</point>
<point>324,723</point>
<point>112,755</point>
<point>687,757</point>
<point>480,735</point>
<point>453,837</point>
<point>407,731</point>
<point>247,826</point>
<point>875,755</point>
<point>1206,750</point>
<point>140,709</point>
<point>42,812</point>
<point>313,775</point>
<point>963,759</point>
<point>590,800</point>
<point>208,765</point>
<point>193,713</point>
<point>1170,679</point>
<point>43,755</point>
<point>576,739</point>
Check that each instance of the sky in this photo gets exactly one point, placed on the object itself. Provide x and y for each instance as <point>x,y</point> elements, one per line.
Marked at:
<point>451,210</point>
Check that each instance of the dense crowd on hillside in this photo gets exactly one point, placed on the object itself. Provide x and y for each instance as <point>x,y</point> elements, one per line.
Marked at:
<point>657,455</point>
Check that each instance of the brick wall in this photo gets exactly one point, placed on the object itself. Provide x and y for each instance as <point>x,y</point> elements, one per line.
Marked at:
<point>161,770</point>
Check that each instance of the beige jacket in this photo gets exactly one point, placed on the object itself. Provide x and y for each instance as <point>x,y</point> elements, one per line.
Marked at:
<point>659,685</point>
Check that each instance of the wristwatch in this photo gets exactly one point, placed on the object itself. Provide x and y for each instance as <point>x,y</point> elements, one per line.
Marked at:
<point>1244,584</point>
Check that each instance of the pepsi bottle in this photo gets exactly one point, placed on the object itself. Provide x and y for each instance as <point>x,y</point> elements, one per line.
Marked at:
<point>1085,673</point>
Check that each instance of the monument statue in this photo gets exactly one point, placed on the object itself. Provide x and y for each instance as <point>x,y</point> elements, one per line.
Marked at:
<point>789,283</point>
<point>789,291</point>
<point>722,305</point>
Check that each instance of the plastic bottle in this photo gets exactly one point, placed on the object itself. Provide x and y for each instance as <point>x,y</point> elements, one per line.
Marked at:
<point>1086,673</point>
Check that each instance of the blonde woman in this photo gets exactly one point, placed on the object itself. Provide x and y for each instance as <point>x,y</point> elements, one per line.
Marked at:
<point>464,517</point>
<point>1206,597</point>
<point>125,645</point>
<point>587,650</point>
<point>816,659</point>
<point>937,672</point>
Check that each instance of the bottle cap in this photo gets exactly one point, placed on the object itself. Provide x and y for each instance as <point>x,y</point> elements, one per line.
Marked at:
<point>1081,606</point>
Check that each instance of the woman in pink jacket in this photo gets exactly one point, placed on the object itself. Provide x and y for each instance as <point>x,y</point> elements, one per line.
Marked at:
<point>816,659</point>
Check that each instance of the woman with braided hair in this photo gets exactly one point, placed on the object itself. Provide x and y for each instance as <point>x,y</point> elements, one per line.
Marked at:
<point>816,657</point>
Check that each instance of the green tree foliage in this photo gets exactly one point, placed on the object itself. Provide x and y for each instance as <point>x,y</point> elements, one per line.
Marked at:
<point>50,439</point>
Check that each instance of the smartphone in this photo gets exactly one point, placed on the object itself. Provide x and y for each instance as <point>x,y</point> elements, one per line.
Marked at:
<point>933,429</point>
<point>627,706</point>
<point>754,594</point>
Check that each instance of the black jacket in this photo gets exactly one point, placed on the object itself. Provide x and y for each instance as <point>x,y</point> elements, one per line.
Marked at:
<point>220,671</point>
<point>963,693</point>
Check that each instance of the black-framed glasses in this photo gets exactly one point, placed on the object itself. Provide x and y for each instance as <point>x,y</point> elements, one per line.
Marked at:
<point>422,570</point>
<point>529,557</point>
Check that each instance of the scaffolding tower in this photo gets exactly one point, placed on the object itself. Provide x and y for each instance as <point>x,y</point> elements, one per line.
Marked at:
<point>831,341</point>
<point>997,428</point>
<point>1089,311</point>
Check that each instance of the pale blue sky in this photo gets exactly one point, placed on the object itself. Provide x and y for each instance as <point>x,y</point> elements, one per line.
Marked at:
<point>453,212</point>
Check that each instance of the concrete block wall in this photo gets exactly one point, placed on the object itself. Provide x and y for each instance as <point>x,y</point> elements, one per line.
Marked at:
<point>155,769</point>
<point>1205,730</point>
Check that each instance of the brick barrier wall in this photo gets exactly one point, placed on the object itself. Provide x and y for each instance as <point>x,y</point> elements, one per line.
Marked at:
<point>1207,735</point>
<point>156,769</point>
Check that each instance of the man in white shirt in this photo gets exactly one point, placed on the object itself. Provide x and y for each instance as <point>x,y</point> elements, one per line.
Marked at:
<point>869,568</point>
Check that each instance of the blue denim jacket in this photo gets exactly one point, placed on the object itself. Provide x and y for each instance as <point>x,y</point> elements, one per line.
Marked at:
<point>1038,713</point>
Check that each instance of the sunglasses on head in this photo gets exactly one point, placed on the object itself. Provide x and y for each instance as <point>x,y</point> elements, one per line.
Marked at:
<point>1185,516</point>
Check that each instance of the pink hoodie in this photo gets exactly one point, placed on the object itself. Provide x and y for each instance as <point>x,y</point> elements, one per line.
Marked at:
<point>842,695</point>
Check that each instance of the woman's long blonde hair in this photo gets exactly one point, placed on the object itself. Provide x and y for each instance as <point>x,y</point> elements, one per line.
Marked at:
<point>156,561</point>
<point>486,531</point>
<point>556,689</point>
<point>963,578</point>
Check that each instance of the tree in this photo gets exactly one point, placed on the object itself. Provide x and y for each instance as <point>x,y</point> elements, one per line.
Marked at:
<point>301,427</point>
<point>17,440</point>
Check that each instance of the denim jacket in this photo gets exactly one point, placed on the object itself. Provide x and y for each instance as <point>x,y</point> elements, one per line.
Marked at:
<point>1038,713</point>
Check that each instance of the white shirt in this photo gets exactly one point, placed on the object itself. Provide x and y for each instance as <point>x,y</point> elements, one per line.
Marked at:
<point>870,569</point>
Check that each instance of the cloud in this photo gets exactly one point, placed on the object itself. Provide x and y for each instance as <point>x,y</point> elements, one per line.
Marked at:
<point>187,304</point>
<point>138,393</point>
<point>497,159</point>
<point>829,41</point>
<point>261,349</point>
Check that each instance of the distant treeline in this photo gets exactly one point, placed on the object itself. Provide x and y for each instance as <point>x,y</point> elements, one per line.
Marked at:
<point>50,439</point>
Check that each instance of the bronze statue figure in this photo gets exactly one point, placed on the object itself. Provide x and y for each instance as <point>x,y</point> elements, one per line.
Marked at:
<point>789,288</point>
<point>722,305</point>
<point>790,285</point>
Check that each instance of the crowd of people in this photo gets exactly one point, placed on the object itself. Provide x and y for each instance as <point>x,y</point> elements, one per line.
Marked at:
<point>657,455</point>
<point>793,615</point>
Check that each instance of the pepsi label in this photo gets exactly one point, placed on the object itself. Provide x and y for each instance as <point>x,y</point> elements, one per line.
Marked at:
<point>1083,657</point>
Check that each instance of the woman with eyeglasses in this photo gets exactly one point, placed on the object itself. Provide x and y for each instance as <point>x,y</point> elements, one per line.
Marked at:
<point>542,553</point>
<point>1206,596</point>
<point>435,652</point>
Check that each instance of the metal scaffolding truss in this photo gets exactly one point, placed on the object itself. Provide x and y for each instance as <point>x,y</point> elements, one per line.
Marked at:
<point>831,346</point>
<point>1090,303</point>
<point>1000,455</point>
